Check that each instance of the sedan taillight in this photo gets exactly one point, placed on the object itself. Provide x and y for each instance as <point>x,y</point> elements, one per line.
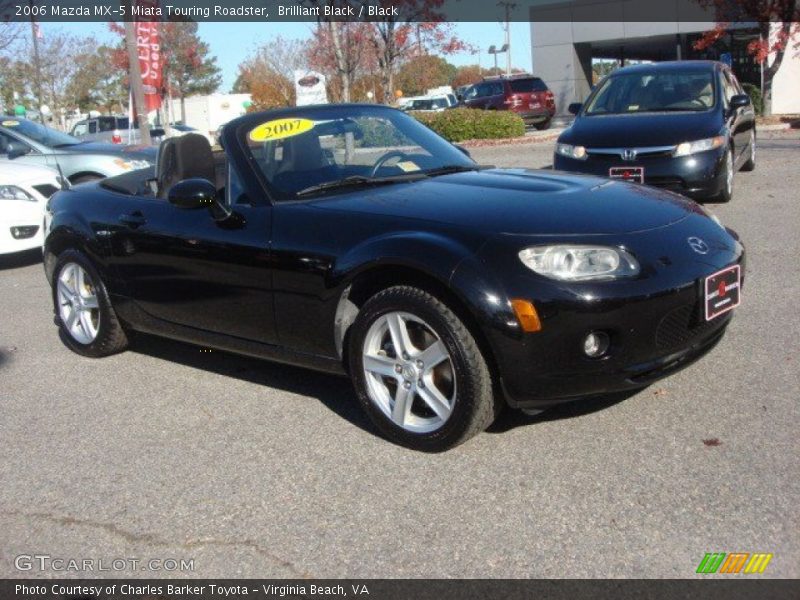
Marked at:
<point>116,137</point>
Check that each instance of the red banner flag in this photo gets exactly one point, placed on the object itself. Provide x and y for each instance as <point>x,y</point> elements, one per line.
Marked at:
<point>149,52</point>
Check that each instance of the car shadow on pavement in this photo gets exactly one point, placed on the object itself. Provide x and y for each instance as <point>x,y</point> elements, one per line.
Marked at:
<point>511,419</point>
<point>335,392</point>
<point>20,259</point>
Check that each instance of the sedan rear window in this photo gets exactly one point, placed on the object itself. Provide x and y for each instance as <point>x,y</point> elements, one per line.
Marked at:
<point>527,86</point>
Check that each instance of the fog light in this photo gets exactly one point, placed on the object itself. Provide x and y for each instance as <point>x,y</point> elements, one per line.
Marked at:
<point>24,232</point>
<point>596,344</point>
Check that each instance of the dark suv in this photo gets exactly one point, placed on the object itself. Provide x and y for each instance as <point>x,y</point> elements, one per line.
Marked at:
<point>526,95</point>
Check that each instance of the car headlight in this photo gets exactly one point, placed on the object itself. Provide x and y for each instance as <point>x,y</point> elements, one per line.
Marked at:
<point>12,192</point>
<point>687,148</point>
<point>131,164</point>
<point>570,151</point>
<point>568,262</point>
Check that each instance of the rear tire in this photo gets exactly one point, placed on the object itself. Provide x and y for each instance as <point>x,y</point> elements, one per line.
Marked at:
<point>543,125</point>
<point>88,323</point>
<point>432,393</point>
<point>85,179</point>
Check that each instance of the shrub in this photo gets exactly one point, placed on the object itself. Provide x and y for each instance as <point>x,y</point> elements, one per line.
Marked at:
<point>461,124</point>
<point>755,97</point>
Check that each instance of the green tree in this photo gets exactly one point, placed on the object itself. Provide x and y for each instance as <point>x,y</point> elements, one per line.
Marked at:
<point>189,69</point>
<point>96,86</point>
<point>421,73</point>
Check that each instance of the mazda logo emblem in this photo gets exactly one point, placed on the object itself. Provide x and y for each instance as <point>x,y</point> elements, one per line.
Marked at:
<point>698,245</point>
<point>629,154</point>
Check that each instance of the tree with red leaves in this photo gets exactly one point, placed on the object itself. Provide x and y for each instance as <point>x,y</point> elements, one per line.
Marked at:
<point>188,68</point>
<point>380,46</point>
<point>779,28</point>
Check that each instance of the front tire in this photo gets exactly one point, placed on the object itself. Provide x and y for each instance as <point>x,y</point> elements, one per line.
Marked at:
<point>88,323</point>
<point>750,165</point>
<point>726,193</point>
<point>418,372</point>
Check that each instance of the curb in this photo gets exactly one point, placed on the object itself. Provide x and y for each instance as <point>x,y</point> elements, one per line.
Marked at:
<point>775,127</point>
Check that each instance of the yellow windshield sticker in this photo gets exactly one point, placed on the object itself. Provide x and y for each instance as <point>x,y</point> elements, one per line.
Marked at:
<point>408,166</point>
<point>280,129</point>
<point>9,123</point>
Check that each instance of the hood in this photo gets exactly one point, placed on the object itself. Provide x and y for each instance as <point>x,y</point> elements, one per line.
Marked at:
<point>139,152</point>
<point>520,201</point>
<point>642,129</point>
<point>13,172</point>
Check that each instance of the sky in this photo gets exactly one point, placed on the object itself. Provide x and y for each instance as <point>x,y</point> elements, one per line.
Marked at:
<point>232,42</point>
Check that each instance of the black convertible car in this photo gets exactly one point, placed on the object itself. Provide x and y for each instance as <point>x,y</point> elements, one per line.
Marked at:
<point>352,239</point>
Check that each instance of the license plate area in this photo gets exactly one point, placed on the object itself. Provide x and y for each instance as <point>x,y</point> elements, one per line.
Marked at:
<point>635,174</point>
<point>722,291</point>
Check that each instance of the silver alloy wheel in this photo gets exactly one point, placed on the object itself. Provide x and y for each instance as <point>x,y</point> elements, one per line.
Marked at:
<point>409,372</point>
<point>729,172</point>
<point>77,303</point>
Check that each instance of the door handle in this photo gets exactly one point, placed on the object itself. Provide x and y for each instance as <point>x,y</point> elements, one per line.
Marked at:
<point>133,220</point>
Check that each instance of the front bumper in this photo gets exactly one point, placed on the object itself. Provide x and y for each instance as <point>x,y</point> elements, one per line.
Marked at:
<point>698,176</point>
<point>655,322</point>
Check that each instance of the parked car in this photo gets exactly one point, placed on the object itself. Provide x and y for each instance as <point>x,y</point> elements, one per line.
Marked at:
<point>27,142</point>
<point>432,104</point>
<point>446,290</point>
<point>24,191</point>
<point>685,126</point>
<point>523,94</point>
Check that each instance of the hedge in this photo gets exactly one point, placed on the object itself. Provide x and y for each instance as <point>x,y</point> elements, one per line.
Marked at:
<point>459,124</point>
<point>755,97</point>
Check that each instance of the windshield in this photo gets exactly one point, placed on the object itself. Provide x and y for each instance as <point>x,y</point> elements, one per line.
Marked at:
<point>654,91</point>
<point>309,148</point>
<point>39,133</point>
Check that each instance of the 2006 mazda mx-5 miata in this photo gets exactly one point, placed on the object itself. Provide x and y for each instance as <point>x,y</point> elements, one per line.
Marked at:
<point>352,239</point>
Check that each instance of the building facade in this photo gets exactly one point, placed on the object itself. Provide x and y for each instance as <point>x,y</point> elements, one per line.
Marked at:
<point>566,38</point>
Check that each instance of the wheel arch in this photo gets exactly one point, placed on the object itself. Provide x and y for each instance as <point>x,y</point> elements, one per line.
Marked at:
<point>368,282</point>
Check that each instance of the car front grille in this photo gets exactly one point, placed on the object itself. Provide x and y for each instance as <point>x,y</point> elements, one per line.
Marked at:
<point>684,324</point>
<point>46,189</point>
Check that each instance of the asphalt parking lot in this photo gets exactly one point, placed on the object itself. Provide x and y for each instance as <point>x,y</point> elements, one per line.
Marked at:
<point>253,469</point>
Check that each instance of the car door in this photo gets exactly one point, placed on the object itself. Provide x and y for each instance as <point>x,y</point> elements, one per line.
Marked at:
<point>740,120</point>
<point>183,267</point>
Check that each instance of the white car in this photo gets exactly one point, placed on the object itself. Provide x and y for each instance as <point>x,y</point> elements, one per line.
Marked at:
<point>24,191</point>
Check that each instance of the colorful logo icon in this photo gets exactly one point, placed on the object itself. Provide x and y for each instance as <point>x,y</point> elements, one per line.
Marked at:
<point>734,562</point>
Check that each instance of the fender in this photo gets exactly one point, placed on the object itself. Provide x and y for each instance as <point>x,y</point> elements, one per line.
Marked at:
<point>68,229</point>
<point>451,262</point>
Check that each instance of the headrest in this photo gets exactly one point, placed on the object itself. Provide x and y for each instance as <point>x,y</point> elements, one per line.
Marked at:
<point>183,157</point>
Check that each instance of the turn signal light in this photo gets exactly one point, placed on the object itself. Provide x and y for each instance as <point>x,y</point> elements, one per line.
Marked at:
<point>526,315</point>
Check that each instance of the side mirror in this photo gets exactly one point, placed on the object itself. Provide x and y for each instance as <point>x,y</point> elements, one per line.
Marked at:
<point>197,193</point>
<point>464,150</point>
<point>575,108</point>
<point>193,194</point>
<point>740,101</point>
<point>15,150</point>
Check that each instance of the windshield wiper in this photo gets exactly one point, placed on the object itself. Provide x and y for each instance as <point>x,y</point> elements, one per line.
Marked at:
<point>447,169</point>
<point>357,181</point>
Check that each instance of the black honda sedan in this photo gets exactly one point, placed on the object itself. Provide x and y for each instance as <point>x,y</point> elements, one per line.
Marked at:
<point>354,240</point>
<point>685,126</point>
